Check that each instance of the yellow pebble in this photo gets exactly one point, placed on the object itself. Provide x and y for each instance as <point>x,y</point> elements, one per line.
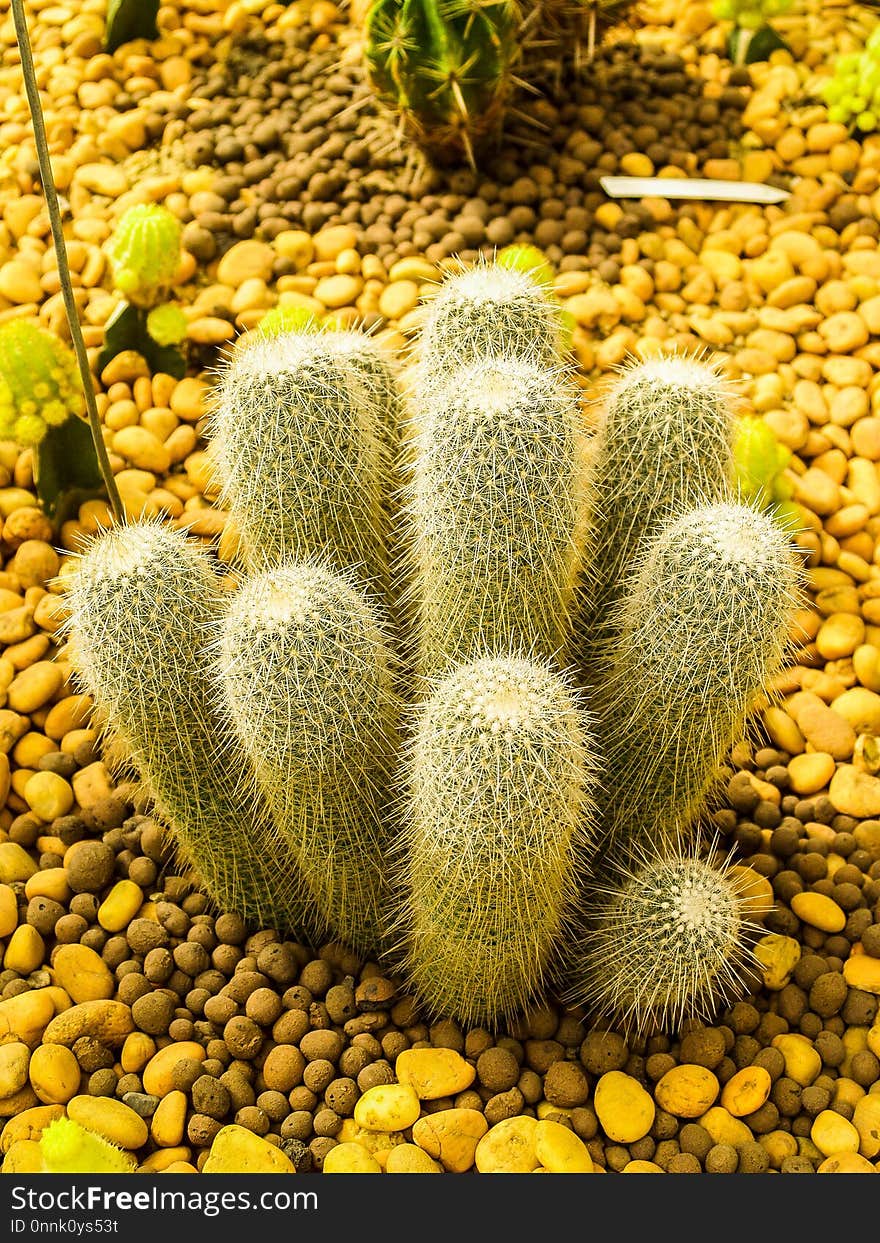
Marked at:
<point>509,1147</point>
<point>25,1017</point>
<point>120,906</point>
<point>113,1119</point>
<point>862,971</point>
<point>560,1151</point>
<point>54,1074</point>
<point>158,1071</point>
<point>624,1109</point>
<point>450,1136</point>
<point>846,1163</point>
<point>136,1052</point>
<point>410,1159</point>
<point>82,973</point>
<point>24,951</point>
<point>724,1128</point>
<point>8,910</point>
<point>778,1145</point>
<point>642,1167</point>
<point>819,911</point>
<point>157,1162</point>
<point>49,883</point>
<point>168,1123</point>
<point>687,1091</point>
<point>379,1144</point>
<point>433,1073</point>
<point>25,1156</point>
<point>754,891</point>
<point>48,795</point>
<point>387,1107</point>
<point>350,1158</point>
<point>802,1063</point>
<point>778,956</point>
<point>29,1124</point>
<point>866,1120</point>
<point>236,1150</point>
<point>14,1060</point>
<point>15,863</point>
<point>832,1133</point>
<point>746,1091</point>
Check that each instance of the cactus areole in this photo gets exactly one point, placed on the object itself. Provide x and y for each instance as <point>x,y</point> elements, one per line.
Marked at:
<point>444,66</point>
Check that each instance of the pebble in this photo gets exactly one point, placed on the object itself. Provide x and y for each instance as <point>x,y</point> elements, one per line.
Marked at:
<point>157,1076</point>
<point>350,1158</point>
<point>54,1074</point>
<point>120,906</point>
<point>338,291</point>
<point>107,1021</point>
<point>687,1090</point>
<point>168,1121</point>
<point>509,1147</point>
<point>855,793</point>
<point>624,1108</point>
<point>811,772</point>
<point>451,1136</point>
<point>802,1062</point>
<point>863,972</point>
<point>746,1091</point>
<point>433,1073</point>
<point>20,282</point>
<point>244,261</point>
<point>24,1018</point>
<point>833,1134</point>
<point>236,1150</point>
<point>409,1159</point>
<point>819,911</point>
<point>387,1107</point>
<point>48,796</point>
<point>82,973</point>
<point>15,863</point>
<point>778,956</point>
<point>14,1062</point>
<point>560,1151</point>
<point>111,1118</point>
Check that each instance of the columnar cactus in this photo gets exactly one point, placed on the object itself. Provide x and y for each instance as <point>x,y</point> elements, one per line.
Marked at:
<point>498,784</point>
<point>443,70</point>
<point>306,679</point>
<point>495,512</point>
<point>701,630</point>
<point>663,443</point>
<point>667,937</point>
<point>144,606</point>
<point>300,454</point>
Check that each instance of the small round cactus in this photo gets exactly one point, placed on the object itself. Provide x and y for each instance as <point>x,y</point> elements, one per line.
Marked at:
<point>145,605</point>
<point>68,1148</point>
<point>306,679</point>
<point>667,937</point>
<point>39,382</point>
<point>144,251</point>
<point>300,454</point>
<point>497,792</point>
<point>495,512</point>
<point>167,324</point>
<point>485,311</point>
<point>700,632</point>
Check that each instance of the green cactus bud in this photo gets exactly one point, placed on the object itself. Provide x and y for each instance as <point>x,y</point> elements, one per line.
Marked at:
<point>699,634</point>
<point>663,443</point>
<point>668,937</point>
<point>300,454</point>
<point>443,69</point>
<point>167,324</point>
<point>306,678</point>
<point>498,781</point>
<point>495,512</point>
<point>144,251</point>
<point>281,319</point>
<point>39,382</point>
<point>68,1148</point>
<point>144,606</point>
<point>488,310</point>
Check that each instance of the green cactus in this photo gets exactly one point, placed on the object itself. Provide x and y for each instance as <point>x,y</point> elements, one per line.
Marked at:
<point>663,443</point>
<point>167,324</point>
<point>759,464</point>
<point>68,1148</point>
<point>301,455</point>
<point>498,781</point>
<point>144,252</point>
<point>305,676</point>
<point>145,604</point>
<point>443,68</point>
<point>281,319</point>
<point>495,513</point>
<point>486,310</point>
<point>39,382</point>
<point>701,630</point>
<point>667,937</point>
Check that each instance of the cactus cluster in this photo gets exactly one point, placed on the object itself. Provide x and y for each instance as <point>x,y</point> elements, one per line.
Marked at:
<point>412,752</point>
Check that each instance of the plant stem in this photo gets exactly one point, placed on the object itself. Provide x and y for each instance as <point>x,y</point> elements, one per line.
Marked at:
<point>52,205</point>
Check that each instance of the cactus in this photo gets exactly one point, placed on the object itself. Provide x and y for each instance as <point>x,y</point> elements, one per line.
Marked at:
<point>281,319</point>
<point>487,310</point>
<point>667,937</point>
<point>663,443</point>
<point>759,462</point>
<point>144,252</point>
<point>444,69</point>
<point>701,631</point>
<point>377,373</point>
<point>167,324</point>
<point>68,1148</point>
<point>495,511</point>
<point>300,454</point>
<point>39,382</point>
<point>144,602</point>
<point>498,781</point>
<point>305,675</point>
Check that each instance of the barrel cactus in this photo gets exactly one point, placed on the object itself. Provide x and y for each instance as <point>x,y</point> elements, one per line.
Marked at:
<point>443,69</point>
<point>144,251</point>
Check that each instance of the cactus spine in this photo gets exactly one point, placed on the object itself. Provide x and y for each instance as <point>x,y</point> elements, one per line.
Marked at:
<point>68,1148</point>
<point>700,632</point>
<point>496,512</point>
<point>486,311</point>
<point>668,937</point>
<point>305,676</point>
<point>663,443</point>
<point>498,781</point>
<point>300,456</point>
<point>144,603</point>
<point>444,69</point>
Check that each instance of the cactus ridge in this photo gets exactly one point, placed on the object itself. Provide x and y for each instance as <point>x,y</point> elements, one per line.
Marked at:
<point>144,602</point>
<point>497,785</point>
<point>305,675</point>
<point>667,936</point>
<point>494,513</point>
<point>485,311</point>
<point>299,453</point>
<point>701,631</point>
<point>663,442</point>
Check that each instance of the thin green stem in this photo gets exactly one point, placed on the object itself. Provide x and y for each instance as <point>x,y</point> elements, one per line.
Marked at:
<point>54,209</point>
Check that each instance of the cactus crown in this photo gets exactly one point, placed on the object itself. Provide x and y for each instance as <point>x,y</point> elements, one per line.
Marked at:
<point>39,382</point>
<point>68,1148</point>
<point>144,251</point>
